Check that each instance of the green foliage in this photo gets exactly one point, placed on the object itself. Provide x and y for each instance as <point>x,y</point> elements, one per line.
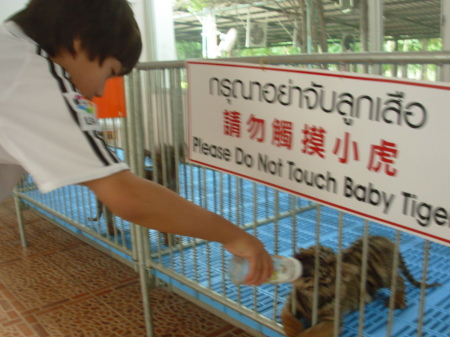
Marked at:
<point>279,50</point>
<point>195,6</point>
<point>414,45</point>
<point>434,44</point>
<point>187,50</point>
<point>192,6</point>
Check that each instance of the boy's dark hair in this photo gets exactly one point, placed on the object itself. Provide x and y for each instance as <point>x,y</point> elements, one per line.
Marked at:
<point>106,28</point>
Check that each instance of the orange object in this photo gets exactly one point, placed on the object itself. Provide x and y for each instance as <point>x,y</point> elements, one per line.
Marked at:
<point>112,103</point>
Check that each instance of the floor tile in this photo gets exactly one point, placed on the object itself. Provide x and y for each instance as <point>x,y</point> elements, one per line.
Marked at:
<point>11,247</point>
<point>86,318</point>
<point>170,310</point>
<point>127,301</point>
<point>11,331</point>
<point>8,215</point>
<point>36,283</point>
<point>91,268</point>
<point>59,286</point>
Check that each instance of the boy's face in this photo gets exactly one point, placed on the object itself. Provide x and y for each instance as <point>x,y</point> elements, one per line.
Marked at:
<point>88,75</point>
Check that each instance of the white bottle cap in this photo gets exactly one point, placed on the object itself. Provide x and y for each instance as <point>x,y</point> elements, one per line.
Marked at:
<point>297,270</point>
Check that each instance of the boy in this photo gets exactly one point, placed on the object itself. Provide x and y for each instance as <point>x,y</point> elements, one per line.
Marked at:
<point>55,57</point>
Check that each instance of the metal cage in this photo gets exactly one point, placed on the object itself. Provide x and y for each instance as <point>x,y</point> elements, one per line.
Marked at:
<point>153,141</point>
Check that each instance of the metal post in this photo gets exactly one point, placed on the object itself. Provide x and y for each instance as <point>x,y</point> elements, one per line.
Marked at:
<point>17,202</point>
<point>308,26</point>
<point>420,320</point>
<point>395,265</point>
<point>135,129</point>
<point>362,285</point>
<point>209,35</point>
<point>376,30</point>
<point>445,34</point>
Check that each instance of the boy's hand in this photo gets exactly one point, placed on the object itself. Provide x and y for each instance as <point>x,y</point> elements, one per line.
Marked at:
<point>252,249</point>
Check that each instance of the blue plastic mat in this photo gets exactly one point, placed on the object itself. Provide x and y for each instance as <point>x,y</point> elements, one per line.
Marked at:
<point>244,202</point>
<point>437,307</point>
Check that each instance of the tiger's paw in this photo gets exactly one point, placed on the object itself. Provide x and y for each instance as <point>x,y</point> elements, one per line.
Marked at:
<point>291,325</point>
<point>323,329</point>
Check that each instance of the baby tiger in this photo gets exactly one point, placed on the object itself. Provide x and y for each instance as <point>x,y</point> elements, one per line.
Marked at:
<point>379,274</point>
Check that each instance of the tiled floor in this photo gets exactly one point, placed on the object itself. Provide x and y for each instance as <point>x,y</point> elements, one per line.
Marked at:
<point>61,287</point>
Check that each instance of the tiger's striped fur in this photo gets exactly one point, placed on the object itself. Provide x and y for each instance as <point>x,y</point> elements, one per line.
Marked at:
<point>380,259</point>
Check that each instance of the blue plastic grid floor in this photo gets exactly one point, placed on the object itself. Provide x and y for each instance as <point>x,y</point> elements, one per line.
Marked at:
<point>437,309</point>
<point>219,193</point>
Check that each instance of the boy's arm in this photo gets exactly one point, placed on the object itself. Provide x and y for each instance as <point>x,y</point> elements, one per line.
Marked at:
<point>148,204</point>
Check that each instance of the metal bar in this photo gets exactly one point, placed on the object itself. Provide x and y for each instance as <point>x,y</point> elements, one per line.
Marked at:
<point>70,221</point>
<point>276,238</point>
<point>18,204</point>
<point>222,251</point>
<point>337,303</point>
<point>238,220</point>
<point>309,13</point>
<point>376,31</point>
<point>255,233</point>
<point>423,287</point>
<point>362,285</point>
<point>445,34</point>
<point>293,216</point>
<point>130,88</point>
<point>435,57</point>
<point>144,281</point>
<point>393,287</point>
<point>376,28</point>
<point>208,248</point>
<point>141,232</point>
<point>315,303</point>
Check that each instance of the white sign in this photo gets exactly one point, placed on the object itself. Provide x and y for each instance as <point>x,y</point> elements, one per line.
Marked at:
<point>374,146</point>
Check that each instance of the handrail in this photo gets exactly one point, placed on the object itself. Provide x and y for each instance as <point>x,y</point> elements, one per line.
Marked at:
<point>435,57</point>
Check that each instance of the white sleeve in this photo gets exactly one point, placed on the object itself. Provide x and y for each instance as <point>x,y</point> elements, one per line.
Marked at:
<point>51,130</point>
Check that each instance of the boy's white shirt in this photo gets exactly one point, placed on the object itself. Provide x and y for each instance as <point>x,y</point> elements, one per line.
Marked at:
<point>46,127</point>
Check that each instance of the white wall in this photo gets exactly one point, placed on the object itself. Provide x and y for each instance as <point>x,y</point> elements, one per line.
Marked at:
<point>163,30</point>
<point>8,7</point>
<point>154,18</point>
